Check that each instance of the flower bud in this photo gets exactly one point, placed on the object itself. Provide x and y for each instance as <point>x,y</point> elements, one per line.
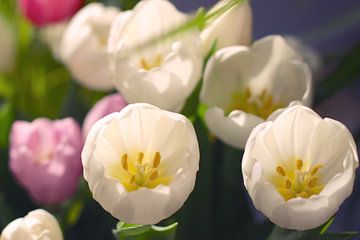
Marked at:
<point>234,27</point>
<point>109,104</point>
<point>36,225</point>
<point>45,158</point>
<point>84,46</point>
<point>44,12</point>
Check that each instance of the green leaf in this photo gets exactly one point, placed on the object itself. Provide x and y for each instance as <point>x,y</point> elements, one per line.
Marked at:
<point>6,119</point>
<point>339,236</point>
<point>346,73</point>
<point>288,234</point>
<point>125,231</point>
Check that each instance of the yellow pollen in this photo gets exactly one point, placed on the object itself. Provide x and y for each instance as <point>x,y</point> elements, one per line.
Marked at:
<point>156,161</point>
<point>280,171</point>
<point>132,180</point>
<point>154,175</point>
<point>140,157</point>
<point>299,164</point>
<point>313,182</point>
<point>315,169</point>
<point>140,170</point>
<point>124,162</point>
<point>288,184</point>
<point>260,105</point>
<point>297,180</point>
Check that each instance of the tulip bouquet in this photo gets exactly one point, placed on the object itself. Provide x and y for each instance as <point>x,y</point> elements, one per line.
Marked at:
<point>134,120</point>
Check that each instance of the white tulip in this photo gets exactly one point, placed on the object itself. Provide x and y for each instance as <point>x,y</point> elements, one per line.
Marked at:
<point>141,163</point>
<point>52,36</point>
<point>7,46</point>
<point>234,27</point>
<point>84,46</point>
<point>164,74</point>
<point>244,86</point>
<point>36,225</point>
<point>299,168</point>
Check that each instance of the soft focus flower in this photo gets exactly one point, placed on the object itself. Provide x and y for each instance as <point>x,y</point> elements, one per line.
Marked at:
<point>52,35</point>
<point>43,12</point>
<point>244,86</point>
<point>299,168</point>
<point>141,163</point>
<point>232,28</point>
<point>36,225</point>
<point>84,46</point>
<point>45,158</point>
<point>164,74</point>
<point>7,46</point>
<point>310,55</point>
<point>109,104</point>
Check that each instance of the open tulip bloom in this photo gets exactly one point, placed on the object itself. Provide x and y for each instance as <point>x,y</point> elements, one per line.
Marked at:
<point>244,86</point>
<point>141,163</point>
<point>299,168</point>
<point>163,75</point>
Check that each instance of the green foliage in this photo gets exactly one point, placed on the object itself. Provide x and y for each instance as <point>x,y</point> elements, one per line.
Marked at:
<point>318,233</point>
<point>126,231</point>
<point>6,119</point>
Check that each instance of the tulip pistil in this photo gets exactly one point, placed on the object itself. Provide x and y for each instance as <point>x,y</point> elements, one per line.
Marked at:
<point>140,171</point>
<point>297,181</point>
<point>260,105</point>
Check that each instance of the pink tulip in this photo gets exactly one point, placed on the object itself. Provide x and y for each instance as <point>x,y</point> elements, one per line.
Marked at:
<point>45,158</point>
<point>109,104</point>
<point>43,12</point>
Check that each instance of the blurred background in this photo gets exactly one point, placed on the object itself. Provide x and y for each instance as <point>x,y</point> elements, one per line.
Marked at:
<point>330,27</point>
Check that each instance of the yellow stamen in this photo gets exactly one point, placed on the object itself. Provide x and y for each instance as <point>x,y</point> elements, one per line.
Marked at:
<point>124,162</point>
<point>288,184</point>
<point>299,164</point>
<point>296,180</point>
<point>313,182</point>
<point>315,169</point>
<point>154,175</point>
<point>261,105</point>
<point>280,171</point>
<point>156,161</point>
<point>140,157</point>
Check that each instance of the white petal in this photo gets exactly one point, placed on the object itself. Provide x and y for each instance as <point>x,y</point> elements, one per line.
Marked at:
<point>233,129</point>
<point>84,46</point>
<point>232,28</point>
<point>293,81</point>
<point>225,74</point>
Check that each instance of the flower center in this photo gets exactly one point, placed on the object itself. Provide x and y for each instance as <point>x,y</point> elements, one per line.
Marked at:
<point>149,64</point>
<point>261,105</point>
<point>141,171</point>
<point>298,182</point>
